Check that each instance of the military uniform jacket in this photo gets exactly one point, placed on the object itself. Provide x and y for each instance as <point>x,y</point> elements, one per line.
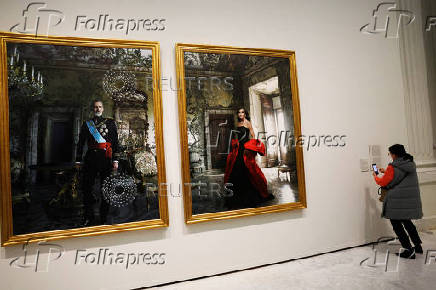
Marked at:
<point>107,129</point>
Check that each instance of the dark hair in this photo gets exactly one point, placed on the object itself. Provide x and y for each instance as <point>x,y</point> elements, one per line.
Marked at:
<point>95,101</point>
<point>399,151</point>
<point>247,116</point>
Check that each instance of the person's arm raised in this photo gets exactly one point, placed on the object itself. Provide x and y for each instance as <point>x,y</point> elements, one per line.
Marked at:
<point>386,178</point>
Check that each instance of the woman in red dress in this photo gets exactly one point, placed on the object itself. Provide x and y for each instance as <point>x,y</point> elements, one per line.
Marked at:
<point>249,185</point>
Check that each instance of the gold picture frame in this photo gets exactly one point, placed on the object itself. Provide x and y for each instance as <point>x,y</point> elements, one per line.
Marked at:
<point>229,52</point>
<point>7,236</point>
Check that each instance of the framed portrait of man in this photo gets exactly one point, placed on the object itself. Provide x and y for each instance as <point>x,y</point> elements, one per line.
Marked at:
<point>239,122</point>
<point>81,137</point>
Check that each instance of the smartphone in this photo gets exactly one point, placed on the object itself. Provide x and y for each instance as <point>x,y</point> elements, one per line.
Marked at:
<point>374,167</point>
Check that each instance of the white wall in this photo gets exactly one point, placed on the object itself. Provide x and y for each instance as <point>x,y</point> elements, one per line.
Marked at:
<point>428,197</point>
<point>350,83</point>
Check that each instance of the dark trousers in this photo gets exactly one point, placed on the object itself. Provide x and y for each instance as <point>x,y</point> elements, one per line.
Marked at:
<point>95,164</point>
<point>399,225</point>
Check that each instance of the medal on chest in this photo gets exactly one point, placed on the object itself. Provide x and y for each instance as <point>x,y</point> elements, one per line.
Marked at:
<point>102,128</point>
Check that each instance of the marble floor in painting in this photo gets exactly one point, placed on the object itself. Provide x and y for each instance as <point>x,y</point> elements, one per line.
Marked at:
<point>282,185</point>
<point>338,270</point>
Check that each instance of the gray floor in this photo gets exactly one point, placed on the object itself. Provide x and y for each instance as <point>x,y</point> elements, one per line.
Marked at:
<point>346,269</point>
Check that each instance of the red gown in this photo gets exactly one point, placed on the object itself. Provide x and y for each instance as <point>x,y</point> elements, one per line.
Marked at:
<point>249,184</point>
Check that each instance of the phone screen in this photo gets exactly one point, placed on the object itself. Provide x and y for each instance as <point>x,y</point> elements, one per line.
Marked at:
<point>374,167</point>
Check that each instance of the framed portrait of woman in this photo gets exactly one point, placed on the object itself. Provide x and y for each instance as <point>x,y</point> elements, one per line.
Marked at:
<point>81,137</point>
<point>239,120</point>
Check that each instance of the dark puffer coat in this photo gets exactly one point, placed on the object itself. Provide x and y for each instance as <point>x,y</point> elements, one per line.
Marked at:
<point>403,199</point>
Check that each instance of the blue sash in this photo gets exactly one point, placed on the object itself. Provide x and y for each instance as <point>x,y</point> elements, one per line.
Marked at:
<point>94,132</point>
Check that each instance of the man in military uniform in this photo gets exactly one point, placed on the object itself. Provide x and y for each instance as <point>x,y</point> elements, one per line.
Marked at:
<point>100,134</point>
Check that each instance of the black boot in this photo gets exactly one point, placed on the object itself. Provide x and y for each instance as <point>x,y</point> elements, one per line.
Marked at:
<point>407,254</point>
<point>418,249</point>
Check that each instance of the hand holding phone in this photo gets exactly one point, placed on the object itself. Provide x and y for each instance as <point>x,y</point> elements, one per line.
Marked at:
<point>374,167</point>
